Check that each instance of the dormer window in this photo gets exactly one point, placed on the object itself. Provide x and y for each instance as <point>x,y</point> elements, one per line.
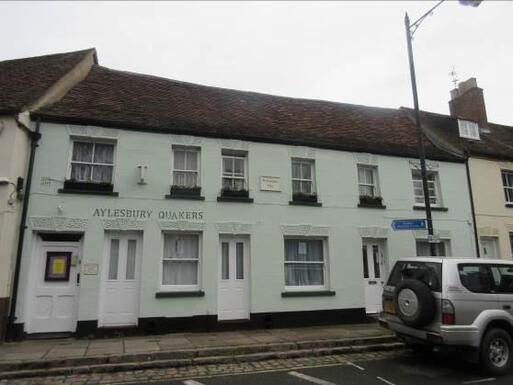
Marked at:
<point>468,129</point>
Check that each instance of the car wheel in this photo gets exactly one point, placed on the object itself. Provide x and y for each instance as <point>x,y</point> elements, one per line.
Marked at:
<point>496,351</point>
<point>414,303</point>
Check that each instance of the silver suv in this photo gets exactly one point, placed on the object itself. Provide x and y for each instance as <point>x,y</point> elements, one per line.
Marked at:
<point>454,302</point>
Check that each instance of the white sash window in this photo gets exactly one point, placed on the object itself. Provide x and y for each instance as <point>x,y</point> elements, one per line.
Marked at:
<point>92,162</point>
<point>303,171</point>
<point>181,261</point>
<point>186,167</point>
<point>305,264</point>
<point>507,183</point>
<point>433,188</point>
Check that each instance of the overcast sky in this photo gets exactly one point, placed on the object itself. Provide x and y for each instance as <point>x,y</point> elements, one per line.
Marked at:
<point>353,52</point>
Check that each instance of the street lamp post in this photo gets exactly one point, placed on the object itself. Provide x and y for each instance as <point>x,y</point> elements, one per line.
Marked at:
<point>410,30</point>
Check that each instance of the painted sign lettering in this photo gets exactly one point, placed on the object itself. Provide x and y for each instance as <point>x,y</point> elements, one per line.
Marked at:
<point>179,215</point>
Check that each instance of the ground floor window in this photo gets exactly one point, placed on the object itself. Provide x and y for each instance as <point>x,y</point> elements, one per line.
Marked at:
<point>305,263</point>
<point>181,261</point>
<point>442,248</point>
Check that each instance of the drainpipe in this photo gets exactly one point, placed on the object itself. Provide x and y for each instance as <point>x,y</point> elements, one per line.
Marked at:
<point>34,136</point>
<point>472,209</point>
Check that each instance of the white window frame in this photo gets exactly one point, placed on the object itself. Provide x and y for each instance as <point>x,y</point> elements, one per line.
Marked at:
<point>436,188</point>
<point>468,129</point>
<point>196,150</point>
<point>325,264</point>
<point>375,179</point>
<point>93,141</point>
<point>507,187</point>
<point>178,288</point>
<point>303,161</point>
<point>446,242</point>
<point>238,155</point>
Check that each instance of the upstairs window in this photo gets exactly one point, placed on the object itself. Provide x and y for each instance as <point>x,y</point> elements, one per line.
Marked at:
<point>507,183</point>
<point>186,167</point>
<point>92,162</point>
<point>468,129</point>
<point>433,188</point>
<point>368,181</point>
<point>235,175</point>
<point>303,176</point>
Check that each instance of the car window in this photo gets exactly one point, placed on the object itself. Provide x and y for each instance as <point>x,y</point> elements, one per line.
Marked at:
<point>478,278</point>
<point>428,272</point>
<point>503,278</point>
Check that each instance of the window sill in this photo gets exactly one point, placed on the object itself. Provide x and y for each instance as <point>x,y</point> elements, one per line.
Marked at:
<point>313,293</point>
<point>179,294</point>
<point>305,203</point>
<point>422,208</point>
<point>185,196</point>
<point>87,192</point>
<point>371,206</point>
<point>234,199</point>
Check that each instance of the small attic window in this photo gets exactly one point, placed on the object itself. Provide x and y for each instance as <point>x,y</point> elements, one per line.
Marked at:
<point>468,129</point>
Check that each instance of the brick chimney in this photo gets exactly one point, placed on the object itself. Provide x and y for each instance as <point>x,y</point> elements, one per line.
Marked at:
<point>467,102</point>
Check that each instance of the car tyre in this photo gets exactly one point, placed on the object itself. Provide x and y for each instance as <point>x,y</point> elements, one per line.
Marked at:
<point>496,352</point>
<point>414,302</point>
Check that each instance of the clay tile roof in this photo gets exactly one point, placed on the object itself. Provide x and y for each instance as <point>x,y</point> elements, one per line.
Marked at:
<point>496,142</point>
<point>23,81</point>
<point>127,100</point>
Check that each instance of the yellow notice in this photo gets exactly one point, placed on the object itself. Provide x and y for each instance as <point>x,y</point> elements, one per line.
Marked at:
<point>58,266</point>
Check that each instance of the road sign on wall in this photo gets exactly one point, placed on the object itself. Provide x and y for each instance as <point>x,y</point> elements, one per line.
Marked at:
<point>409,224</point>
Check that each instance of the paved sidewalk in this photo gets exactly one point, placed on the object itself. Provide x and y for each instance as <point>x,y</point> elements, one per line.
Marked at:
<point>159,375</point>
<point>70,348</point>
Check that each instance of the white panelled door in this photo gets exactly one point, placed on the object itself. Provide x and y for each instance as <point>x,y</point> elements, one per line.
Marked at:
<point>373,274</point>
<point>121,271</point>
<point>55,283</point>
<point>233,273</point>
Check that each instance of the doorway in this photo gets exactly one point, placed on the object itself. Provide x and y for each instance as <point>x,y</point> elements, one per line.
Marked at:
<point>55,282</point>
<point>489,247</point>
<point>373,273</point>
<point>234,276</point>
<point>121,276</point>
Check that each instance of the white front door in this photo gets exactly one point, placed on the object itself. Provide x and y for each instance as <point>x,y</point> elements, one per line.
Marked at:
<point>121,270</point>
<point>233,273</point>
<point>489,248</point>
<point>373,274</point>
<point>55,283</point>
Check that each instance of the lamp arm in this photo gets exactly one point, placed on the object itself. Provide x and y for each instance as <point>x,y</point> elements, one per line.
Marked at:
<point>416,24</point>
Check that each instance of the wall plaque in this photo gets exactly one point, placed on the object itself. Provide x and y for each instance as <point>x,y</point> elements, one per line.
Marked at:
<point>90,268</point>
<point>270,183</point>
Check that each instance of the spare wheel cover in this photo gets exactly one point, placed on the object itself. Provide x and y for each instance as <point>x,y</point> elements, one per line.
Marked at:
<point>414,302</point>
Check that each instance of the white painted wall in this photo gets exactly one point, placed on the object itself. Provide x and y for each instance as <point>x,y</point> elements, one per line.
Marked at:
<point>339,216</point>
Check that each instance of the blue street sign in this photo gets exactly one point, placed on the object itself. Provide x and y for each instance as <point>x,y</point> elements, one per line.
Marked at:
<point>409,224</point>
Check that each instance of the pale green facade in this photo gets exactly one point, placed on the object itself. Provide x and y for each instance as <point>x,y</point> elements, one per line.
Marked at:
<point>266,221</point>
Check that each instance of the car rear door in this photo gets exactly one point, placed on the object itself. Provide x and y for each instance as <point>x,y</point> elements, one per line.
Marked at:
<point>476,294</point>
<point>503,279</point>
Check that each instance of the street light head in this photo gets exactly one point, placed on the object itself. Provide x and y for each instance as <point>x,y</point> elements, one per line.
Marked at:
<point>472,3</point>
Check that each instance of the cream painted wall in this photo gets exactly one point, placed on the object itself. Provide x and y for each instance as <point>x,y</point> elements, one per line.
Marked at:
<point>493,218</point>
<point>266,220</point>
<point>14,149</point>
